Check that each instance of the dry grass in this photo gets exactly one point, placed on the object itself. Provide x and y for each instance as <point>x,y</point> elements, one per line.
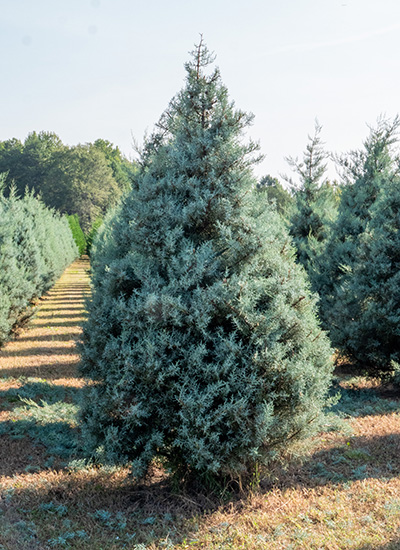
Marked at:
<point>344,495</point>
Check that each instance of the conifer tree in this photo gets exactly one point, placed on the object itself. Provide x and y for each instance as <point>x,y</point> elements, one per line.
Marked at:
<point>202,339</point>
<point>373,335</point>
<point>365,173</point>
<point>36,245</point>
<point>314,209</point>
<point>276,194</point>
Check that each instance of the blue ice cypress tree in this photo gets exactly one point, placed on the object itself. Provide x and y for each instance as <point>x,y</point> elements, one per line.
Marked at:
<point>365,173</point>
<point>202,339</point>
<point>373,334</point>
<point>36,245</point>
<point>314,209</point>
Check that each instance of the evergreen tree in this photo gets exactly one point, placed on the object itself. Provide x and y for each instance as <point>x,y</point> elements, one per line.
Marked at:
<point>365,172</point>
<point>373,335</point>
<point>36,245</point>
<point>276,194</point>
<point>314,208</point>
<point>123,170</point>
<point>202,339</point>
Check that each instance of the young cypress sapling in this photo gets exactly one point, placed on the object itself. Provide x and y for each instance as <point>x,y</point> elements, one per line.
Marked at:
<point>314,209</point>
<point>373,335</point>
<point>202,339</point>
<point>365,173</point>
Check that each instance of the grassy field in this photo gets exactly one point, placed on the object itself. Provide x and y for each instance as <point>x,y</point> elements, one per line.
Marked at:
<point>344,495</point>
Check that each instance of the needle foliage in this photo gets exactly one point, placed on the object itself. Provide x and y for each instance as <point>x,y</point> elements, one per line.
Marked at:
<point>36,245</point>
<point>202,341</point>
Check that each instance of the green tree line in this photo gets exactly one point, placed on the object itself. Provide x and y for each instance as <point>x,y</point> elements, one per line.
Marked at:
<point>85,180</point>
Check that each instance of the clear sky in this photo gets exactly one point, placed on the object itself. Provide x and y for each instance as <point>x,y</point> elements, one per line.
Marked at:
<point>86,69</point>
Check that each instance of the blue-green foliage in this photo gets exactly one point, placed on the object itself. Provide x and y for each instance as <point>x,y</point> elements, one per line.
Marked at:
<point>36,245</point>
<point>47,413</point>
<point>360,301</point>
<point>202,339</point>
<point>373,333</point>
<point>314,208</point>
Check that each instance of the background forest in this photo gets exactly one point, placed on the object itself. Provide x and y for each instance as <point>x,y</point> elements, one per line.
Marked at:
<point>83,179</point>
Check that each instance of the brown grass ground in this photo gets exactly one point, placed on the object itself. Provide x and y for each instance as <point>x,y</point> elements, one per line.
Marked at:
<point>345,495</point>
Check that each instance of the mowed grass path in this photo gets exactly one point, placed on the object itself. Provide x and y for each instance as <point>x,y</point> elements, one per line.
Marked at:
<point>344,495</point>
<point>47,347</point>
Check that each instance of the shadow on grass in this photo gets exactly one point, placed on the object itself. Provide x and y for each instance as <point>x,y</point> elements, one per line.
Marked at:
<point>358,458</point>
<point>75,311</point>
<point>38,390</point>
<point>51,324</point>
<point>64,337</point>
<point>359,402</point>
<point>51,371</point>
<point>52,422</point>
<point>66,296</point>
<point>60,315</point>
<point>47,415</point>
<point>393,545</point>
<point>60,304</point>
<point>42,350</point>
<point>119,513</point>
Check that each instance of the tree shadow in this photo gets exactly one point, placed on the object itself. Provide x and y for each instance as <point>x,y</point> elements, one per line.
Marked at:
<point>359,402</point>
<point>392,545</point>
<point>42,350</point>
<point>358,458</point>
<point>104,504</point>
<point>41,416</point>
<point>66,301</point>
<point>60,315</point>
<point>50,324</point>
<point>19,455</point>
<point>154,508</point>
<point>39,390</point>
<point>73,308</point>
<point>64,337</point>
<point>50,371</point>
<point>58,440</point>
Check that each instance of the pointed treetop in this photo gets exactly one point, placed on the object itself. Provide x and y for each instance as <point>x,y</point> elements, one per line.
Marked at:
<point>313,167</point>
<point>201,57</point>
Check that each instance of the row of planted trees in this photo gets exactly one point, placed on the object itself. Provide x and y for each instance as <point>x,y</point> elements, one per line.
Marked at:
<point>347,238</point>
<point>36,245</point>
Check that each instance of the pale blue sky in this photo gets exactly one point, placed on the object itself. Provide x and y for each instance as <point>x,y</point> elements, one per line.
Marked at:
<point>108,68</point>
